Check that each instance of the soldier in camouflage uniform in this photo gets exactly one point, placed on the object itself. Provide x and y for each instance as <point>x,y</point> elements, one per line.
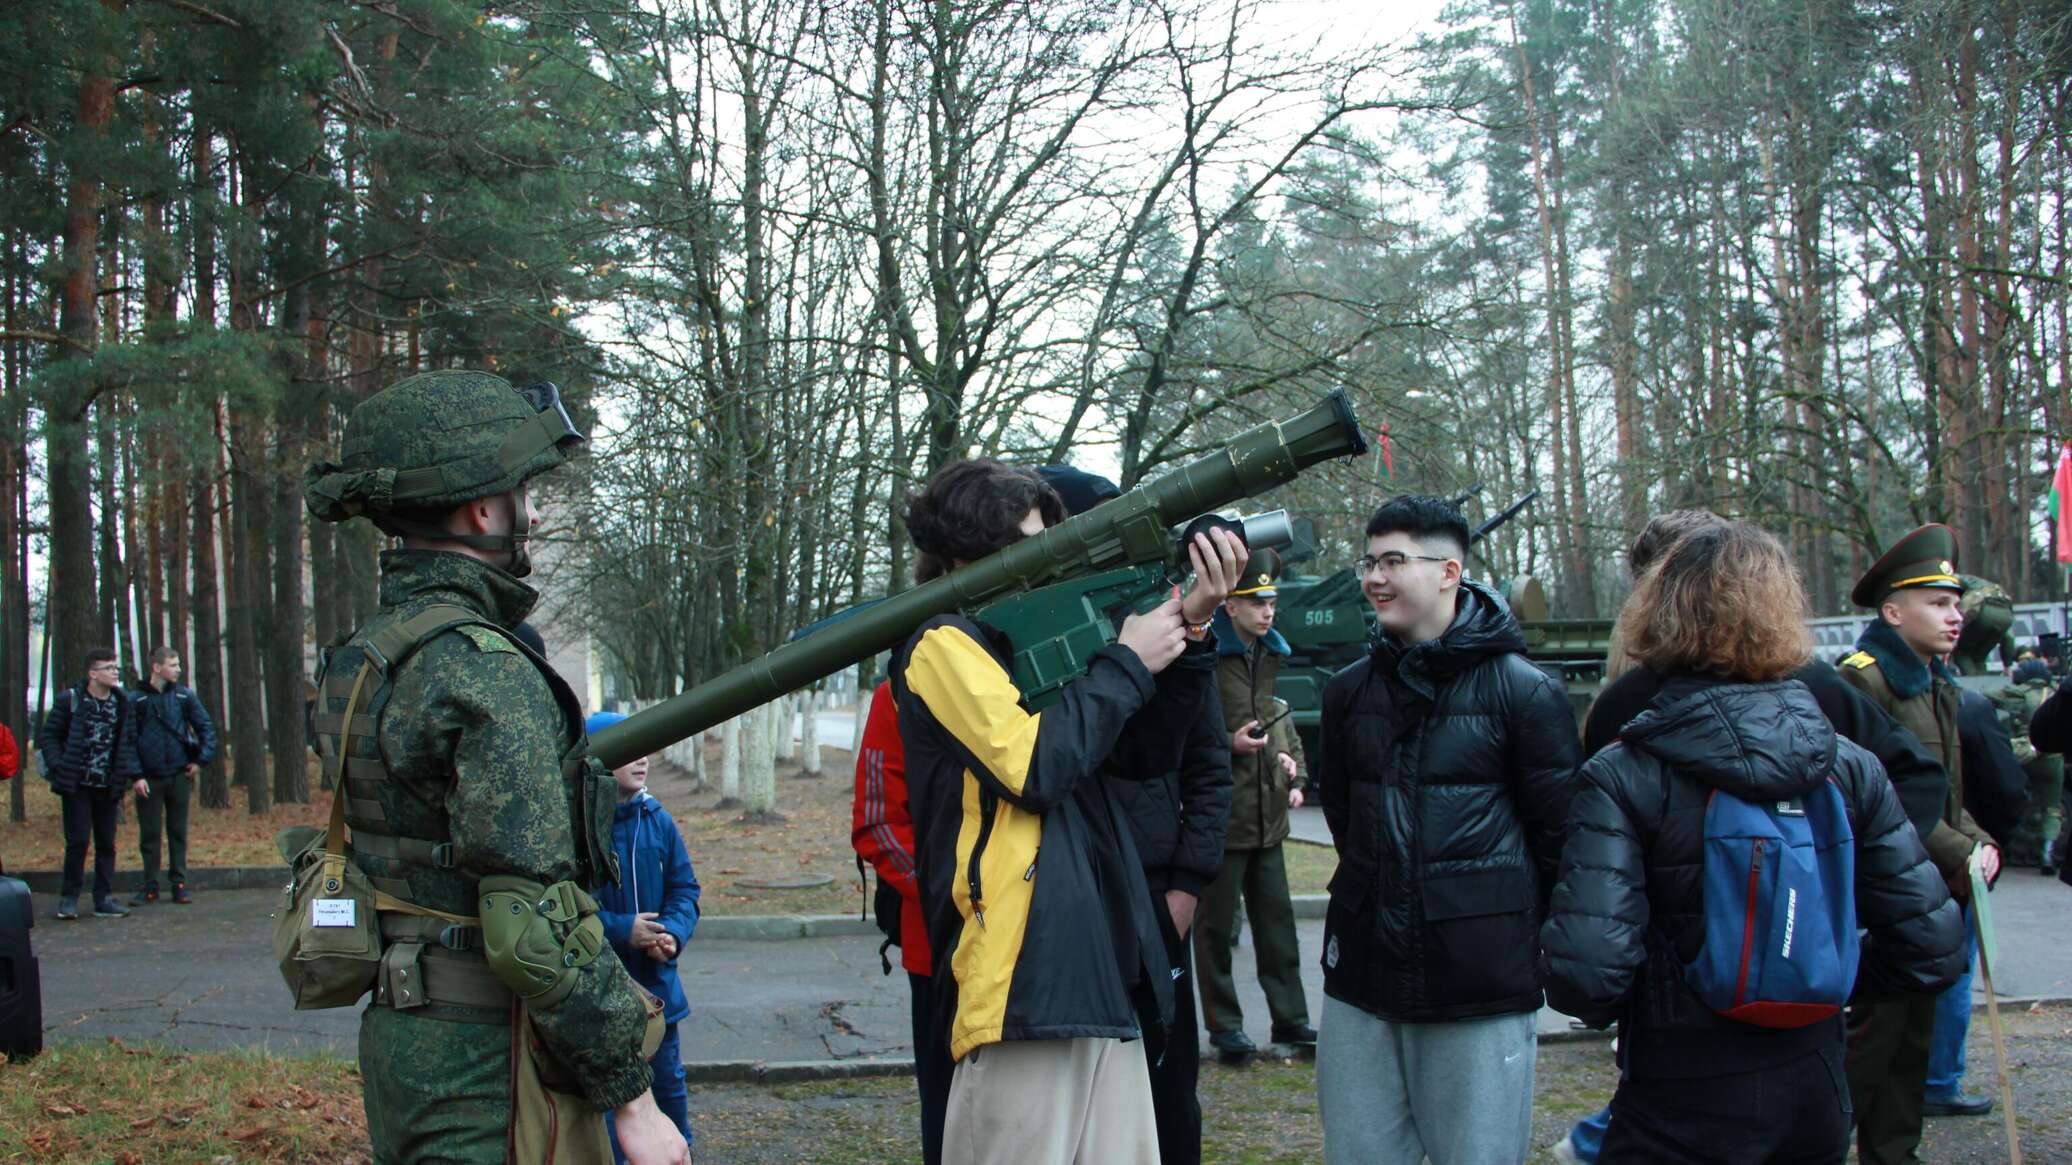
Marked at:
<point>456,791</point>
<point>2035,840</point>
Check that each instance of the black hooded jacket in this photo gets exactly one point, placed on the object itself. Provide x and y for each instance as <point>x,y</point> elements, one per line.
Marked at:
<point>1446,770</point>
<point>1629,909</point>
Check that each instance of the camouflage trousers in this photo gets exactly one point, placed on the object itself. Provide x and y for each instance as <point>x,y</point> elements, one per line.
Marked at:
<point>437,1092</point>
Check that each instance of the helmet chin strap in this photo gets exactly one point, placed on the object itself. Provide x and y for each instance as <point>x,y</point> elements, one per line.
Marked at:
<point>513,544</point>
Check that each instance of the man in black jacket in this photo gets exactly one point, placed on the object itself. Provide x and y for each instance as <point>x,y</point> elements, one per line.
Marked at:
<point>175,737</point>
<point>88,744</point>
<point>1446,766</point>
<point>1178,821</point>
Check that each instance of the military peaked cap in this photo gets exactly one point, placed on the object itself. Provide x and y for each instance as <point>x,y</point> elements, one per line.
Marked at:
<point>1925,558</point>
<point>1262,571</point>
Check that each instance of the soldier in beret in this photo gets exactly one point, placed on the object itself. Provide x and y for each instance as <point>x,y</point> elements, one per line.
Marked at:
<point>1899,663</point>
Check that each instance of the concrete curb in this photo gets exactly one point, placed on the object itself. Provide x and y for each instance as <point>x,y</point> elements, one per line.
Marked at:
<point>767,1072</point>
<point>198,878</point>
<point>794,1071</point>
<point>736,927</point>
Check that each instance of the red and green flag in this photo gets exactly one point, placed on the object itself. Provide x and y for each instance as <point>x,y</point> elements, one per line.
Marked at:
<point>2061,504</point>
<point>1388,456</point>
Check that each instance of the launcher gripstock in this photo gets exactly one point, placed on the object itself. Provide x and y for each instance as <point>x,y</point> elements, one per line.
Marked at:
<point>1134,530</point>
<point>1056,629</point>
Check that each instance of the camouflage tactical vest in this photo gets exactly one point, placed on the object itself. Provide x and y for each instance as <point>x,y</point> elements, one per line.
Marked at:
<point>428,962</point>
<point>2015,704</point>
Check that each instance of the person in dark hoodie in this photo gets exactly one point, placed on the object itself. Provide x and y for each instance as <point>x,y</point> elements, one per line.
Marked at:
<point>1722,618</point>
<point>649,916</point>
<point>1446,765</point>
<point>1034,892</point>
<point>1178,819</point>
<point>88,745</point>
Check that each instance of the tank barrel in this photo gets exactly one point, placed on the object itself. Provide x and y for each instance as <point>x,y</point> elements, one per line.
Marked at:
<point>1131,529</point>
<point>1509,512</point>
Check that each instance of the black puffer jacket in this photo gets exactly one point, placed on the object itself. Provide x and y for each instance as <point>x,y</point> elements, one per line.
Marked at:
<point>1179,819</point>
<point>63,742</point>
<point>1446,770</point>
<point>1629,909</point>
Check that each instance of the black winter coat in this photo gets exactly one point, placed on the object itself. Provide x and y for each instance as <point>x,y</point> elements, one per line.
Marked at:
<point>1996,790</point>
<point>61,744</point>
<point>1179,819</point>
<point>1629,909</point>
<point>173,730</point>
<point>1916,774</point>
<point>1445,769</point>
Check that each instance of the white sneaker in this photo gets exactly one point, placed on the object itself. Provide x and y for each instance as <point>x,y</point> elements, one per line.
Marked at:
<point>1564,1151</point>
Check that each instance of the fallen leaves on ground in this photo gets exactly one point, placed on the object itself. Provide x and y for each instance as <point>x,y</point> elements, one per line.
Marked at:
<point>136,1103</point>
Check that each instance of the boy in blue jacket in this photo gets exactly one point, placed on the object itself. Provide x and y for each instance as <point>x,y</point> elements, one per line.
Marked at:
<point>649,915</point>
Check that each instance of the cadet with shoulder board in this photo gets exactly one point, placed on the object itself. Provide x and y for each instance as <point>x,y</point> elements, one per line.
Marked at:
<point>452,741</point>
<point>1899,664</point>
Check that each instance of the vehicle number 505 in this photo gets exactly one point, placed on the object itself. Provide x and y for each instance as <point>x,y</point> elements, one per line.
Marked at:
<point>1316,618</point>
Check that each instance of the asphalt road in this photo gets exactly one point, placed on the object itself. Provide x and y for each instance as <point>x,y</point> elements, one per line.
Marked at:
<point>202,976</point>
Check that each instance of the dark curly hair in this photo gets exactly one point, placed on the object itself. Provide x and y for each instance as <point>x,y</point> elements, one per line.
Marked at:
<point>973,508</point>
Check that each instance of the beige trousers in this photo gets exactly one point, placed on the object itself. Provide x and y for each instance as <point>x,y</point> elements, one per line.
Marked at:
<point>1051,1102</point>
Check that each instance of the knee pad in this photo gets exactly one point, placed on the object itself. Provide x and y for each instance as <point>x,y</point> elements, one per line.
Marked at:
<point>539,938</point>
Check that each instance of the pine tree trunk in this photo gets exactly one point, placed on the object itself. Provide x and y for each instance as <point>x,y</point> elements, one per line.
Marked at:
<point>206,663</point>
<point>248,620</point>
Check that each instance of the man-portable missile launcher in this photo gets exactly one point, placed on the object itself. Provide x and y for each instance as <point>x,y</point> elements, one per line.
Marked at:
<point>1073,578</point>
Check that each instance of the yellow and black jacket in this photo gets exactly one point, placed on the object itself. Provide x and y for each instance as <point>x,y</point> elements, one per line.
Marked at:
<point>1035,898</point>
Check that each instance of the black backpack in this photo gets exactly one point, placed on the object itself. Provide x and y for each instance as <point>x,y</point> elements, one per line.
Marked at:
<point>883,908</point>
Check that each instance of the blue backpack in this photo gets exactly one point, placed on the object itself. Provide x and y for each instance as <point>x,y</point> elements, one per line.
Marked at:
<point>1780,945</point>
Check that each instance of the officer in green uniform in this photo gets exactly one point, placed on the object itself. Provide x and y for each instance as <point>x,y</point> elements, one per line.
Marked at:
<point>454,744</point>
<point>1265,760</point>
<point>1899,662</point>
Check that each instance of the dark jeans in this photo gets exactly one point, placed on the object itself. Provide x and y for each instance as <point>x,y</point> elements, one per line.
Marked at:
<point>166,807</point>
<point>932,1067</point>
<point>90,815</point>
<point>1795,1112</point>
<point>1175,1058</point>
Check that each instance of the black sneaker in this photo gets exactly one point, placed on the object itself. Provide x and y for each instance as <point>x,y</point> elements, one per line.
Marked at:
<point>110,908</point>
<point>68,909</point>
<point>1232,1045</point>
<point>1301,1035</point>
<point>144,898</point>
<point>1959,1105</point>
<point>180,895</point>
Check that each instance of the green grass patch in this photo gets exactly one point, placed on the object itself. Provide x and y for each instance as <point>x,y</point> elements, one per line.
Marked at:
<point>150,1105</point>
<point>1309,866</point>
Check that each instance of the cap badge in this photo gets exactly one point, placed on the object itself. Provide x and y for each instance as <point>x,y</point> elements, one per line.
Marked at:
<point>1948,567</point>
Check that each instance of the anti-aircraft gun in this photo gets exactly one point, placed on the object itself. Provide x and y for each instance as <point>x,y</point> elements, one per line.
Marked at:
<point>1127,552</point>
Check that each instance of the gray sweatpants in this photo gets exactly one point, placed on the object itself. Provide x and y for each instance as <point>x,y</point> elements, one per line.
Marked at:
<point>1051,1102</point>
<point>1459,1093</point>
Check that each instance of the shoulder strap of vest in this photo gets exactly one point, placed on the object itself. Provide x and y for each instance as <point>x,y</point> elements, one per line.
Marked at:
<point>390,646</point>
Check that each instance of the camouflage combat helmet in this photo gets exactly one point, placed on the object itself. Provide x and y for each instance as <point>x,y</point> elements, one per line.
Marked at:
<point>429,443</point>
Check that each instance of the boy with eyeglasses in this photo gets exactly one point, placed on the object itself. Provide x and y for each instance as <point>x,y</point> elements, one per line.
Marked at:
<point>1446,765</point>
<point>88,746</point>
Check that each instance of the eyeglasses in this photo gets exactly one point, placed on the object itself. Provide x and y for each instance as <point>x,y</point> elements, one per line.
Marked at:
<point>104,667</point>
<point>1393,562</point>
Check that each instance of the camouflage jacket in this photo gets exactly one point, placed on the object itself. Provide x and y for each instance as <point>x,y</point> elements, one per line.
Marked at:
<point>473,736</point>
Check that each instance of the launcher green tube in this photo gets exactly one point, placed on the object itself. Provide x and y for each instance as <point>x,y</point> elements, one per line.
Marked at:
<point>1133,528</point>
